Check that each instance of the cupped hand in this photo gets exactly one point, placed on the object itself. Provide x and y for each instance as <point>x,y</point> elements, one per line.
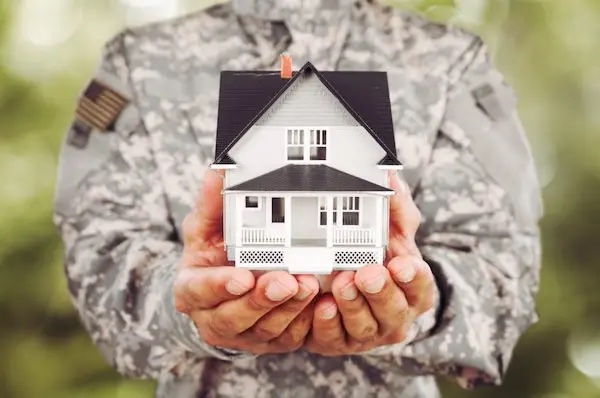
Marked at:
<point>231,307</point>
<point>376,305</point>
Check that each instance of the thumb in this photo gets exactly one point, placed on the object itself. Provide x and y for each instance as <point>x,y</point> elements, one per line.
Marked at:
<point>404,214</point>
<point>209,207</point>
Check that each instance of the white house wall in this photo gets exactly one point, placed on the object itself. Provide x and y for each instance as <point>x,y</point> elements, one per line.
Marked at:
<point>305,219</point>
<point>369,218</point>
<point>353,151</point>
<point>255,218</point>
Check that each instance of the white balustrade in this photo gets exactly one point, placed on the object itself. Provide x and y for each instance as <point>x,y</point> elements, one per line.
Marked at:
<point>353,236</point>
<point>262,236</point>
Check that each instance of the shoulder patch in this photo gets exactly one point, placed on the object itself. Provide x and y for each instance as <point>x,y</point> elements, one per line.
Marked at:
<point>100,106</point>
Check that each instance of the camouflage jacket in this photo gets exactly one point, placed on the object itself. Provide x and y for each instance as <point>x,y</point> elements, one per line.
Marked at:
<point>122,194</point>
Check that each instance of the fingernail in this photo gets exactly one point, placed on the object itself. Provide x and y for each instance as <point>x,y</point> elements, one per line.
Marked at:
<point>236,287</point>
<point>277,292</point>
<point>303,293</point>
<point>407,273</point>
<point>375,285</point>
<point>330,312</point>
<point>349,293</point>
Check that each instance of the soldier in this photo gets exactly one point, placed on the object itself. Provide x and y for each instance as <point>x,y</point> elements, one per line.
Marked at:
<point>154,292</point>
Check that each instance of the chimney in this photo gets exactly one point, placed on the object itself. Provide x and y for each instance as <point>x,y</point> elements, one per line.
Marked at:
<point>286,66</point>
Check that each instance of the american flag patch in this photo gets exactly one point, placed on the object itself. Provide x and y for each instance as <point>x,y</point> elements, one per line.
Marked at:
<point>100,106</point>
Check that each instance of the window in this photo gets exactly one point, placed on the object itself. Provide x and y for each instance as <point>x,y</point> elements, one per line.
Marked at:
<point>277,210</point>
<point>306,144</point>
<point>323,212</point>
<point>318,144</point>
<point>350,210</point>
<point>252,202</point>
<point>295,144</point>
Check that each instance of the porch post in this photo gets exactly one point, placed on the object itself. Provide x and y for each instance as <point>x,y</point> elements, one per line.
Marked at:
<point>379,200</point>
<point>287,204</point>
<point>329,207</point>
<point>239,219</point>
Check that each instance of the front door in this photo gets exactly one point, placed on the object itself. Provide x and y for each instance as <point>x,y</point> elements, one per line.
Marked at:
<point>277,216</point>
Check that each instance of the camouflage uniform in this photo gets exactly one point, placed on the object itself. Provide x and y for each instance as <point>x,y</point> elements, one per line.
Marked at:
<point>122,196</point>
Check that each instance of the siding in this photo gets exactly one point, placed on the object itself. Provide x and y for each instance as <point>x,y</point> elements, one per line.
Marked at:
<point>307,103</point>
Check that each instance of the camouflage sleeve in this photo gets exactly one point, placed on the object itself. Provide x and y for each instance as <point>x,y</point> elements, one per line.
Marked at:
<point>480,201</point>
<point>121,252</point>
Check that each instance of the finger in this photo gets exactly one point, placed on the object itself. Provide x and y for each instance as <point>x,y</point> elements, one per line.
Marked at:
<point>387,302</point>
<point>203,288</point>
<point>208,215</point>
<point>356,313</point>
<point>416,280</point>
<point>202,255</point>
<point>274,323</point>
<point>294,336</point>
<point>327,330</point>
<point>399,245</point>
<point>234,317</point>
<point>405,217</point>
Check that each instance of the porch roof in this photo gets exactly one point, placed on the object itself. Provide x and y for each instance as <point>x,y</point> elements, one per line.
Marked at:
<point>302,177</point>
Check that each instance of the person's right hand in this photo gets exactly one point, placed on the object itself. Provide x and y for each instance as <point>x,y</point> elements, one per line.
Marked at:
<point>269,313</point>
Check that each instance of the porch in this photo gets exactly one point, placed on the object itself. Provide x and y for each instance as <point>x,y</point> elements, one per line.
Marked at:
<point>326,220</point>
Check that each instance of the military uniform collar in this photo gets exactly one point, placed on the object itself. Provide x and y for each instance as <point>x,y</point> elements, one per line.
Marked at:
<point>282,10</point>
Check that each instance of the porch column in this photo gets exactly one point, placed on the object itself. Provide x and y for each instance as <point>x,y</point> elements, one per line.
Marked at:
<point>329,207</point>
<point>239,219</point>
<point>287,205</point>
<point>379,200</point>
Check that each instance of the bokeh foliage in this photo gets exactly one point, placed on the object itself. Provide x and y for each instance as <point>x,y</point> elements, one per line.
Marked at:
<point>548,49</point>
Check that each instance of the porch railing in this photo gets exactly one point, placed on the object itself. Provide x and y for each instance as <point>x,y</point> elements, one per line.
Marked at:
<point>353,236</point>
<point>262,236</point>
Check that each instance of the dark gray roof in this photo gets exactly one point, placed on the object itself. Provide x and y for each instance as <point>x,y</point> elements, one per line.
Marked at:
<point>302,177</point>
<point>246,95</point>
<point>389,161</point>
<point>226,159</point>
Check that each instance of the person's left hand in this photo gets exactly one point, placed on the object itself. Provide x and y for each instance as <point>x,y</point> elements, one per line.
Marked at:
<point>376,305</point>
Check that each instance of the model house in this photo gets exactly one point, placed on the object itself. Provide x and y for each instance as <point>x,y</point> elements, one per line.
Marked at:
<point>306,156</point>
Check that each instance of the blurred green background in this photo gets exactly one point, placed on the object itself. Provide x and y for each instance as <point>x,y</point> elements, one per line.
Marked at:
<point>550,52</point>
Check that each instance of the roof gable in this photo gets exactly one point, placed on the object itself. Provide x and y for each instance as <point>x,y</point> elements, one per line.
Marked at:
<point>247,95</point>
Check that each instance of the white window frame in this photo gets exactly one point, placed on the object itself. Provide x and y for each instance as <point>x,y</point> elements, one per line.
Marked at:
<point>338,210</point>
<point>320,141</point>
<point>298,140</point>
<point>323,202</point>
<point>350,204</point>
<point>259,201</point>
<point>306,140</point>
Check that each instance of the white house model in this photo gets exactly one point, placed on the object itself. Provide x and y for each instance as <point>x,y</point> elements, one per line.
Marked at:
<point>306,156</point>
